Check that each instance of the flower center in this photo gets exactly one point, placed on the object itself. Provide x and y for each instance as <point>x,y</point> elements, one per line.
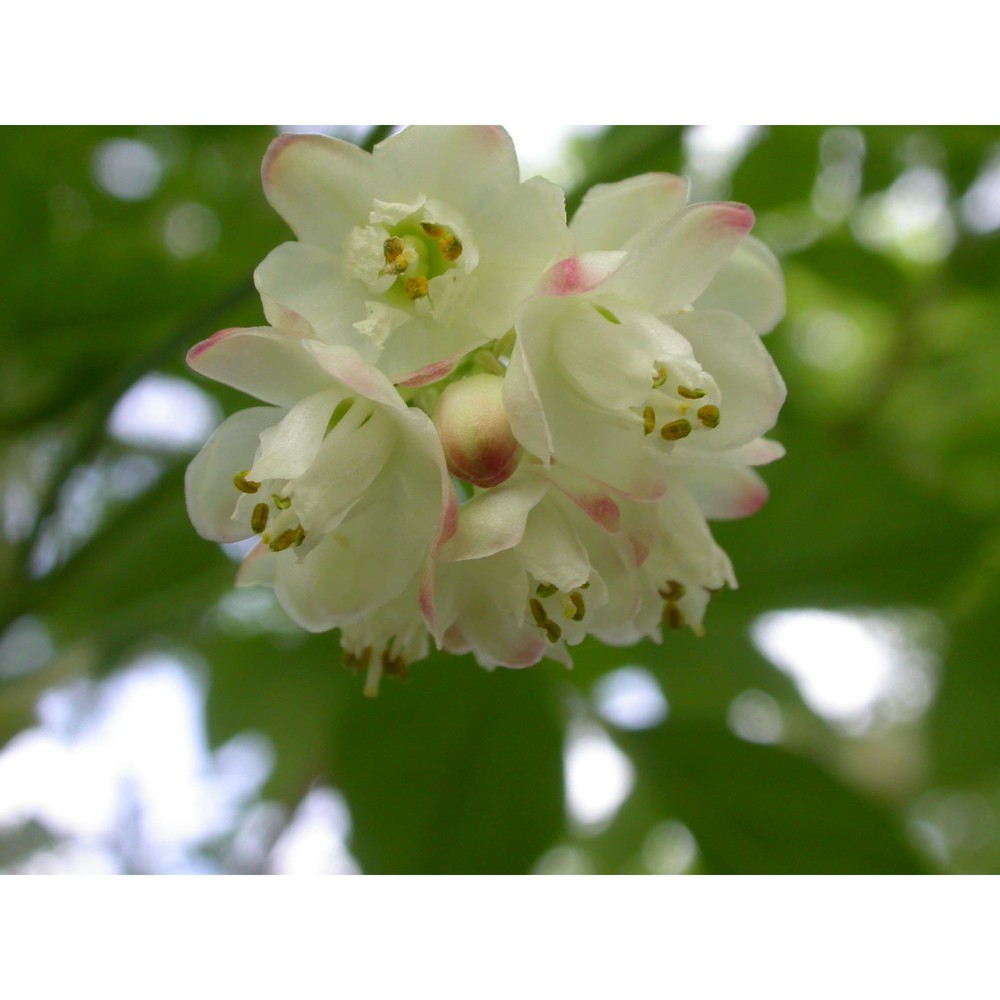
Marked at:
<point>683,399</point>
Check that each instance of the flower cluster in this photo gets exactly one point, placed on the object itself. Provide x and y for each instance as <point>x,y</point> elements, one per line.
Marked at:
<point>486,429</point>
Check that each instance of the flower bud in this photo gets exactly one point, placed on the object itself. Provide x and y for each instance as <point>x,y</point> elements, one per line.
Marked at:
<point>475,433</point>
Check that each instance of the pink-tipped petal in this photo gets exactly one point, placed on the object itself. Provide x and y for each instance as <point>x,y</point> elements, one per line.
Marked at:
<point>322,187</point>
<point>749,284</point>
<point>265,363</point>
<point>669,266</point>
<point>428,374</point>
<point>584,273</point>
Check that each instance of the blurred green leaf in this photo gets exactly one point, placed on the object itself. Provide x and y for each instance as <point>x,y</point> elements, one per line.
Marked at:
<point>760,809</point>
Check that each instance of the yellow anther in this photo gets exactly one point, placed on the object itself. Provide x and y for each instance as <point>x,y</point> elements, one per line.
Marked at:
<point>432,229</point>
<point>394,666</point>
<point>683,390</point>
<point>608,315</point>
<point>661,374</point>
<point>258,519</point>
<point>546,589</point>
<point>709,415</point>
<point>538,612</point>
<point>552,631</point>
<point>288,538</point>
<point>584,586</point>
<point>393,248</point>
<point>451,247</point>
<point>648,420</point>
<point>675,430</point>
<point>674,592</point>
<point>579,609</point>
<point>243,484</point>
<point>415,288</point>
<point>282,503</point>
<point>673,616</point>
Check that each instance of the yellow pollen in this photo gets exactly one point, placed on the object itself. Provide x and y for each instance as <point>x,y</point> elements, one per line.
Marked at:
<point>648,420</point>
<point>451,247</point>
<point>709,415</point>
<point>661,374</point>
<point>683,390</point>
<point>546,589</point>
<point>675,430</point>
<point>579,608</point>
<point>432,229</point>
<point>392,248</point>
<point>243,484</point>
<point>258,519</point>
<point>415,288</point>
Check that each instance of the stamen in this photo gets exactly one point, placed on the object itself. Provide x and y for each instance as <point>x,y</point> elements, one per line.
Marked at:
<point>394,666</point>
<point>432,229</point>
<point>451,247</point>
<point>675,430</point>
<point>709,415</point>
<point>608,315</point>
<point>661,374</point>
<point>674,592</point>
<point>258,519</point>
<point>552,631</point>
<point>415,288</point>
<point>683,390</point>
<point>579,608</point>
<point>538,612</point>
<point>673,616</point>
<point>648,420</point>
<point>371,681</point>
<point>293,536</point>
<point>546,589</point>
<point>392,248</point>
<point>282,503</point>
<point>243,484</point>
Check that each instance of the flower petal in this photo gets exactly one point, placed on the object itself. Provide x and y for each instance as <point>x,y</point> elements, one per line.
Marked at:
<point>493,520</point>
<point>752,390</point>
<point>322,187</point>
<point>669,266</point>
<point>750,284</point>
<point>724,492</point>
<point>468,165</point>
<point>303,293</point>
<point>611,214</point>
<point>551,551</point>
<point>583,273</point>
<point>260,361</point>
<point>208,483</point>
<point>288,448</point>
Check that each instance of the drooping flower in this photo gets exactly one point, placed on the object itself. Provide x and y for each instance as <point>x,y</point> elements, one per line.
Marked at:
<point>344,483</point>
<point>644,356</point>
<point>414,254</point>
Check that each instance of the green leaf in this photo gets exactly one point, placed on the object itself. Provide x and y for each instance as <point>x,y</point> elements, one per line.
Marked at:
<point>761,809</point>
<point>459,771</point>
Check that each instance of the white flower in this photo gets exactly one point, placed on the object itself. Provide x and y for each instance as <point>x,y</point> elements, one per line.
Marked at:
<point>413,255</point>
<point>644,356</point>
<point>344,483</point>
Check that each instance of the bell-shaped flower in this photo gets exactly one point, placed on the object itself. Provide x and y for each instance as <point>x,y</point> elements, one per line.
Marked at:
<point>344,484</point>
<point>535,565</point>
<point>412,255</point>
<point>645,355</point>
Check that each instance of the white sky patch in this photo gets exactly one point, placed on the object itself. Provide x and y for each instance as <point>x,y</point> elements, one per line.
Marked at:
<point>755,716</point>
<point>712,153</point>
<point>123,767</point>
<point>190,229</point>
<point>314,843</point>
<point>161,411</point>
<point>981,204</point>
<point>544,150</point>
<point>599,777</point>
<point>127,168</point>
<point>630,698</point>
<point>911,219</point>
<point>851,669</point>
